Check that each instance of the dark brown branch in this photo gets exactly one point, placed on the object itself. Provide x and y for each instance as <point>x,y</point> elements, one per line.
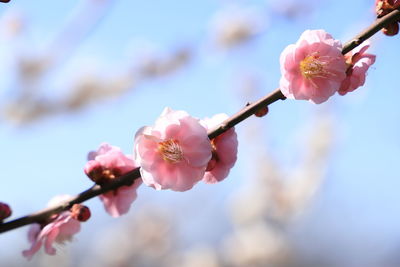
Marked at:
<point>243,114</point>
<point>371,30</point>
<point>246,112</point>
<point>94,191</point>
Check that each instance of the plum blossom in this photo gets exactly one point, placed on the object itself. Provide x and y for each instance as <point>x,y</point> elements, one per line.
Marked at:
<point>313,68</point>
<point>108,163</point>
<point>60,229</point>
<point>358,62</point>
<point>224,151</point>
<point>174,153</point>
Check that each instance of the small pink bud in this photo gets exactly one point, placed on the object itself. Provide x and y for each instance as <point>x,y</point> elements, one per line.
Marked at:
<point>261,112</point>
<point>391,29</point>
<point>5,211</point>
<point>80,212</point>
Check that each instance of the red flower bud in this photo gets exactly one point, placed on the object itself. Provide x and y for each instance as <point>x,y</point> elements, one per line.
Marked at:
<point>261,112</point>
<point>391,29</point>
<point>5,211</point>
<point>80,212</point>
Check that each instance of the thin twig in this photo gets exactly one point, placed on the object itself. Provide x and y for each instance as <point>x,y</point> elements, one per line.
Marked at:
<point>243,114</point>
<point>371,30</point>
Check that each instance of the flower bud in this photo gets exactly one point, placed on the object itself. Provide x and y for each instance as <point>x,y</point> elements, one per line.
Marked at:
<point>261,112</point>
<point>80,212</point>
<point>5,211</point>
<point>391,29</point>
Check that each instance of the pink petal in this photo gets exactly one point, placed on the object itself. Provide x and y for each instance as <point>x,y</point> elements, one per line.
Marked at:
<point>33,233</point>
<point>118,202</point>
<point>50,238</point>
<point>187,177</point>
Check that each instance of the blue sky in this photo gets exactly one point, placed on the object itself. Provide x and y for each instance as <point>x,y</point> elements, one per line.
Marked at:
<point>359,196</point>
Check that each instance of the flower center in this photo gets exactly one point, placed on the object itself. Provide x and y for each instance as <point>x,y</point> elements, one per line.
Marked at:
<point>313,66</point>
<point>171,151</point>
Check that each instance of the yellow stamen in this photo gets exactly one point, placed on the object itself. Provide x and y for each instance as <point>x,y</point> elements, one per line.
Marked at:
<point>171,151</point>
<point>314,67</point>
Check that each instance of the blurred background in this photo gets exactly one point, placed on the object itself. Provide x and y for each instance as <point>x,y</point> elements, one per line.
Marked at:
<point>314,185</point>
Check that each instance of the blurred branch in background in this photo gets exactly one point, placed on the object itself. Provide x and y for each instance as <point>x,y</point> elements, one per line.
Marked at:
<point>33,67</point>
<point>234,26</point>
<point>93,88</point>
<point>147,239</point>
<point>292,9</point>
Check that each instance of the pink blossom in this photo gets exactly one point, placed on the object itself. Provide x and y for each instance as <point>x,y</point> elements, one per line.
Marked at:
<point>59,230</point>
<point>118,202</point>
<point>358,64</point>
<point>174,153</point>
<point>224,151</point>
<point>108,163</point>
<point>313,68</point>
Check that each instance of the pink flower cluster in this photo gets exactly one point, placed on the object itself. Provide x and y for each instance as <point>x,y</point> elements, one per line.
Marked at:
<point>175,153</point>
<point>314,68</point>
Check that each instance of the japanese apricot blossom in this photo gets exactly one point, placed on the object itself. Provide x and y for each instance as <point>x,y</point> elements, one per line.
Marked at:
<point>358,62</point>
<point>224,151</point>
<point>313,68</point>
<point>174,153</point>
<point>108,163</point>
